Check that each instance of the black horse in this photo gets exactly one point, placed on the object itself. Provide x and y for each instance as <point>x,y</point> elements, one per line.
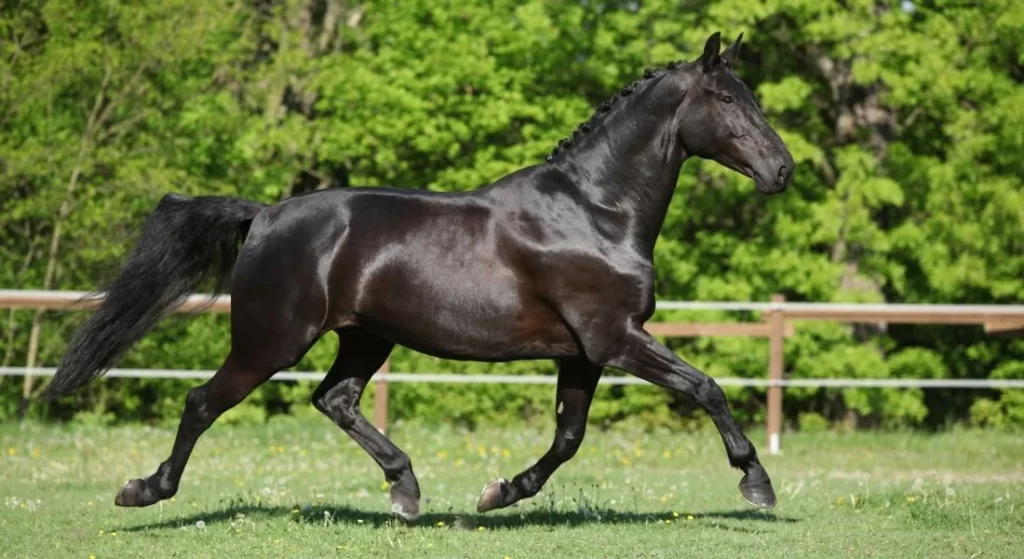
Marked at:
<point>552,261</point>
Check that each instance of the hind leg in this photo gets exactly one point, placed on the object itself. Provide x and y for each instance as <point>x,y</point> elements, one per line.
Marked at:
<point>264,340</point>
<point>577,381</point>
<point>203,405</point>
<point>360,355</point>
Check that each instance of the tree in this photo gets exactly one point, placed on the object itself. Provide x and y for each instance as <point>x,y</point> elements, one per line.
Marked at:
<point>904,118</point>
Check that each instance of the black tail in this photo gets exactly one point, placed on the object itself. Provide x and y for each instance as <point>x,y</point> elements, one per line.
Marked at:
<point>184,242</point>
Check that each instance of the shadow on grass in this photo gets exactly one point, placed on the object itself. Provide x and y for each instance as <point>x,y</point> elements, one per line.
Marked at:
<point>510,519</point>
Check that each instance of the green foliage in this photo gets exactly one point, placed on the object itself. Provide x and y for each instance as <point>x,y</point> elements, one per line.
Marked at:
<point>906,126</point>
<point>812,422</point>
<point>1008,411</point>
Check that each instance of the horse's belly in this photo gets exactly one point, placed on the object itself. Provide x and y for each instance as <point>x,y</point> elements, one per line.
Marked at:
<point>454,310</point>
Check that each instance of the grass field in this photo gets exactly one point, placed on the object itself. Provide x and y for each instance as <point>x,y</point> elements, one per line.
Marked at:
<point>300,488</point>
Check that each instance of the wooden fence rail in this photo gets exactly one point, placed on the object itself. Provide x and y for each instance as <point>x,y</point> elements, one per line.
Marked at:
<point>776,324</point>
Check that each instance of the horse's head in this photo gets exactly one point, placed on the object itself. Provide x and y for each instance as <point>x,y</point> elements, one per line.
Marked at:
<point>720,120</point>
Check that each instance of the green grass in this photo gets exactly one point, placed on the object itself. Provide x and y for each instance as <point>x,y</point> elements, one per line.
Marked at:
<point>301,488</point>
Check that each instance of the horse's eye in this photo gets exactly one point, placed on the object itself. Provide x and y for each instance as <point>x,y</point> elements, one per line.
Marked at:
<point>727,99</point>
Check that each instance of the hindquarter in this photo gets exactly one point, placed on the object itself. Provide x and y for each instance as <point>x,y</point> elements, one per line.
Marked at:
<point>279,292</point>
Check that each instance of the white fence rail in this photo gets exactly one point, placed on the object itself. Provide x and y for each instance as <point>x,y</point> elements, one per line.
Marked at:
<point>449,378</point>
<point>82,300</point>
<point>777,316</point>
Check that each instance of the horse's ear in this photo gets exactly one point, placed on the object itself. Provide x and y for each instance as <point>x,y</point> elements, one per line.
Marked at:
<point>710,58</point>
<point>730,54</point>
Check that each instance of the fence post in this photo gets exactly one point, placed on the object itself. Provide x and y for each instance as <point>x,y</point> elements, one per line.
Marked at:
<point>776,336</point>
<point>380,398</point>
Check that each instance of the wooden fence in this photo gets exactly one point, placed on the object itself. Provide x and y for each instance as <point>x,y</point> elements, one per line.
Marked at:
<point>776,324</point>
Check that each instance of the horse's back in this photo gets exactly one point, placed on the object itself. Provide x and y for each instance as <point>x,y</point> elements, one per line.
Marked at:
<point>433,272</point>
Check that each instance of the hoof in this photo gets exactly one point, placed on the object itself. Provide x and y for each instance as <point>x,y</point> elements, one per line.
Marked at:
<point>493,496</point>
<point>404,505</point>
<point>135,493</point>
<point>405,514</point>
<point>759,494</point>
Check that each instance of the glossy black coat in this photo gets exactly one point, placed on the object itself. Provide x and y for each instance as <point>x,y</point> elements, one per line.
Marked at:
<point>552,261</point>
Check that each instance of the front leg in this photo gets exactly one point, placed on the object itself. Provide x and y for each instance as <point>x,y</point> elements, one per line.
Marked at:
<point>577,380</point>
<point>643,356</point>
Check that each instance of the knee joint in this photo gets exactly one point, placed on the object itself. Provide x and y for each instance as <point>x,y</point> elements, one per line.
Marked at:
<point>346,416</point>
<point>342,407</point>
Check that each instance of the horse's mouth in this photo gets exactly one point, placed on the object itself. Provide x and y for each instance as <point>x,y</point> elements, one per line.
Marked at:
<point>763,186</point>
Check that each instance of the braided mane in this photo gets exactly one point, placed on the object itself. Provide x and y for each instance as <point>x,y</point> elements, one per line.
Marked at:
<point>605,108</point>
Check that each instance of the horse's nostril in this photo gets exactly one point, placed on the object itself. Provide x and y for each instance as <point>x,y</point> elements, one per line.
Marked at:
<point>783,175</point>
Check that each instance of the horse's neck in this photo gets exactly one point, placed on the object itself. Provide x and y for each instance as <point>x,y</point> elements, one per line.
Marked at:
<point>630,168</point>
